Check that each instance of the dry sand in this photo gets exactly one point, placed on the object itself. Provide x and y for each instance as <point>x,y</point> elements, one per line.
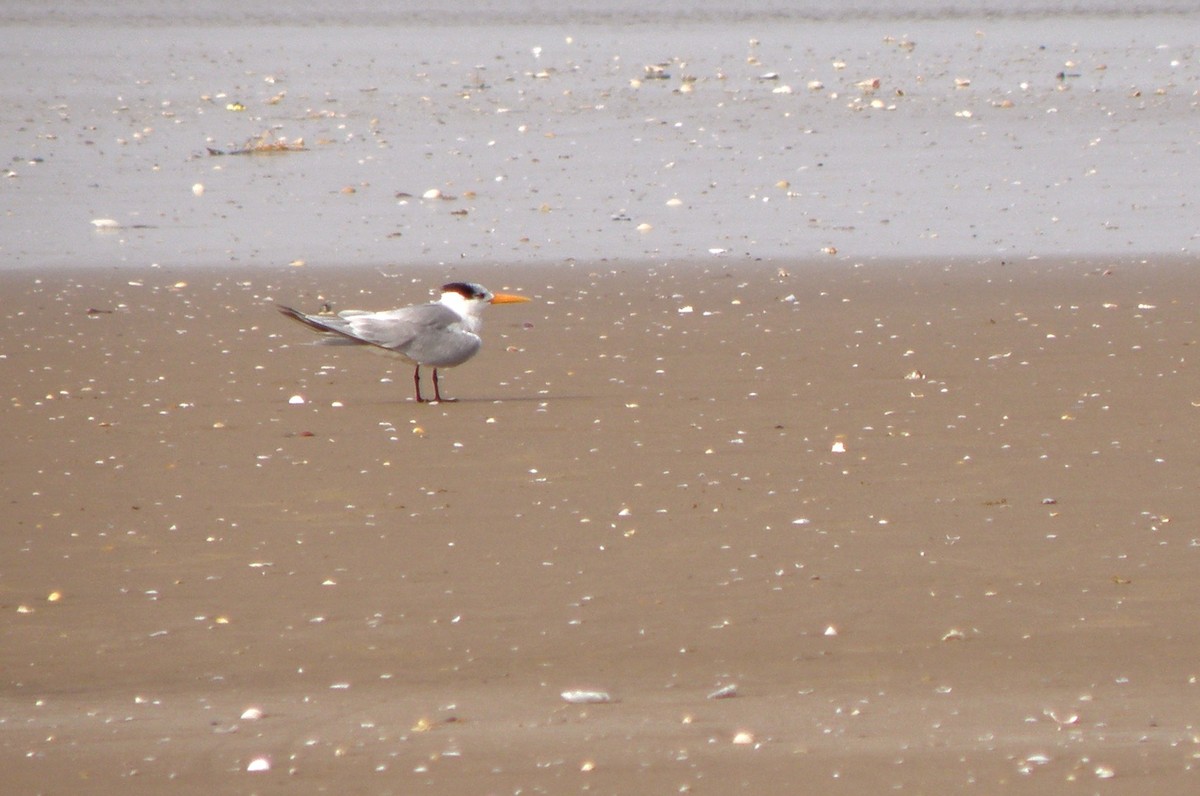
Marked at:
<point>639,492</point>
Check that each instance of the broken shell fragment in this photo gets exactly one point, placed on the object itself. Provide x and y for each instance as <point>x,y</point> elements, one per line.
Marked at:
<point>585,697</point>
<point>1065,720</point>
<point>724,692</point>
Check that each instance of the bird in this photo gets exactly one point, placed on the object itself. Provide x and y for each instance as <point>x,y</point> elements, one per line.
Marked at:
<point>440,334</point>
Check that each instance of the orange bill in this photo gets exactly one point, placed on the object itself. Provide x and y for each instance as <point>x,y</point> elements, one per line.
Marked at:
<point>508,298</point>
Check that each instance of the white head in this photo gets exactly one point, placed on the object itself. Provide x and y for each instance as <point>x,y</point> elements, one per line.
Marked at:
<point>469,298</point>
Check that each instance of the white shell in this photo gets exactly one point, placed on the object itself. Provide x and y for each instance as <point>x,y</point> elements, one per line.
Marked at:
<point>584,697</point>
<point>259,764</point>
<point>724,692</point>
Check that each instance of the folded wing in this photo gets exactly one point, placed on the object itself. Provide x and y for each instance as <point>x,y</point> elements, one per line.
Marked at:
<point>428,334</point>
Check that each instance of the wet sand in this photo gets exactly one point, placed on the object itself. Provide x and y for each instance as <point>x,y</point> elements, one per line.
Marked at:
<point>643,490</point>
<point>770,136</point>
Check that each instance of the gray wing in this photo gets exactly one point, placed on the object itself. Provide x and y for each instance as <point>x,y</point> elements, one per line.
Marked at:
<point>430,334</point>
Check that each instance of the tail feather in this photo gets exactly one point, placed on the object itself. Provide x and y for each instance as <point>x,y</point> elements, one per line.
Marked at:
<point>333,330</point>
<point>297,315</point>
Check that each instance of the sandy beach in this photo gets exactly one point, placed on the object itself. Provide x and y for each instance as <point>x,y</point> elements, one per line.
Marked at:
<point>936,523</point>
<point>843,447</point>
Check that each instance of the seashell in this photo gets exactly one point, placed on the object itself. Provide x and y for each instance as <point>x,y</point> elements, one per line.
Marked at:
<point>724,692</point>
<point>259,764</point>
<point>432,193</point>
<point>585,697</point>
<point>1062,721</point>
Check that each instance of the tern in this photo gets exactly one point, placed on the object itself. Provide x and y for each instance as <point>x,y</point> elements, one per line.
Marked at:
<point>440,334</point>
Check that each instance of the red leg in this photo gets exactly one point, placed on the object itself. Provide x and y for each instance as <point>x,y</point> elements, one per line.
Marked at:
<point>417,382</point>
<point>437,394</point>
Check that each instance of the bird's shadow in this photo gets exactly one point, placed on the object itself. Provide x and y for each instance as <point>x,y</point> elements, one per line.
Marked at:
<point>478,401</point>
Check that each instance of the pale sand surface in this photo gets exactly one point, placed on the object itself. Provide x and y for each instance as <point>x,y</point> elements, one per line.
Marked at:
<point>631,496</point>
